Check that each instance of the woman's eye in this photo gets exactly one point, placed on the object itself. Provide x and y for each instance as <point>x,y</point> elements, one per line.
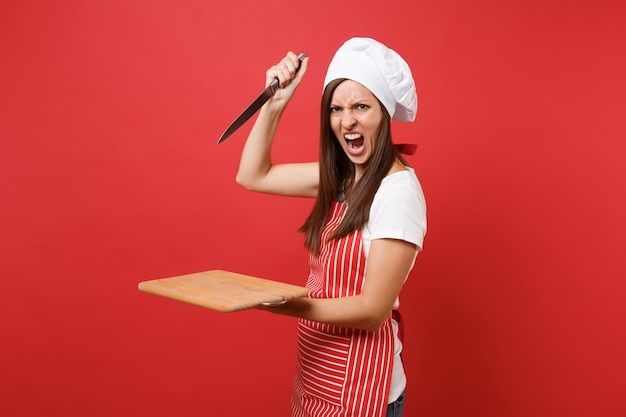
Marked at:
<point>334,109</point>
<point>361,106</point>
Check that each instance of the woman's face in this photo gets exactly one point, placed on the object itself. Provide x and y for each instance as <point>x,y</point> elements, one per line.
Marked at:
<point>355,119</point>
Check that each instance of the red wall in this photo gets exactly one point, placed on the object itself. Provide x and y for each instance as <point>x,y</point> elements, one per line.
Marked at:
<point>110,175</point>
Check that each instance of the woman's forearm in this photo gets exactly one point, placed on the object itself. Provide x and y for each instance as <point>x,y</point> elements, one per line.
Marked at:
<point>354,312</point>
<point>256,159</point>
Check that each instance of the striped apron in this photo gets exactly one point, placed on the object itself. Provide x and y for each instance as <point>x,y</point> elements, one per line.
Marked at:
<point>340,372</point>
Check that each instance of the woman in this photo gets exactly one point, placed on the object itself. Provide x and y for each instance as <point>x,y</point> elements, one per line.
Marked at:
<point>363,234</point>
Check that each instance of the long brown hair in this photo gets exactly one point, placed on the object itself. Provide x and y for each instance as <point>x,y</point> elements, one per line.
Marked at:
<point>336,173</point>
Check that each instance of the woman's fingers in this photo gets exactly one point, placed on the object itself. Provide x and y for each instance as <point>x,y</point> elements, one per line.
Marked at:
<point>285,70</point>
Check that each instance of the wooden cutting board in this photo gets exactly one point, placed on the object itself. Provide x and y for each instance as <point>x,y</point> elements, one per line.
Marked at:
<point>223,290</point>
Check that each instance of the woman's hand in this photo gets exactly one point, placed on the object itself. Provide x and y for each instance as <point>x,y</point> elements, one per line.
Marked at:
<point>289,72</point>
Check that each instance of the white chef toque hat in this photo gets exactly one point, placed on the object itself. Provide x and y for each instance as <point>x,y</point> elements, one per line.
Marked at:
<point>380,69</point>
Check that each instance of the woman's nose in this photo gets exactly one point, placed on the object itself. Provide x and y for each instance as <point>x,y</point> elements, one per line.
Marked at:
<point>348,120</point>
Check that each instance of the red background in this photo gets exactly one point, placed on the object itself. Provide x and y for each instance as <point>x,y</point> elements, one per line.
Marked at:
<point>110,175</point>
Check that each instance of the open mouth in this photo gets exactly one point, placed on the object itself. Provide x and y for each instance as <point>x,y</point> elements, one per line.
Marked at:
<point>355,141</point>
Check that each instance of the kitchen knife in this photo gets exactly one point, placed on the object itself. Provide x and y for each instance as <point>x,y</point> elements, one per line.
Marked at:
<point>256,105</point>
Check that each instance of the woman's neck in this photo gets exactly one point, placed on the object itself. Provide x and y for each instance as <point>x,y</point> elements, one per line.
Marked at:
<point>395,167</point>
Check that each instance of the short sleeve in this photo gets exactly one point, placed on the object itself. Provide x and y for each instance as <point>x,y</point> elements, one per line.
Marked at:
<point>398,210</point>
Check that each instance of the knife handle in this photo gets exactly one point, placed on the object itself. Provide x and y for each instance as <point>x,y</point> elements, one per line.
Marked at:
<point>276,82</point>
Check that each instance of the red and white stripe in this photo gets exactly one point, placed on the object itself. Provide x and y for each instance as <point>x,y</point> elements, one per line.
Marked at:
<point>341,372</point>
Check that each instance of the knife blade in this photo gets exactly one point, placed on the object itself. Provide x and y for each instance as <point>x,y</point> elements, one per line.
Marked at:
<point>256,105</point>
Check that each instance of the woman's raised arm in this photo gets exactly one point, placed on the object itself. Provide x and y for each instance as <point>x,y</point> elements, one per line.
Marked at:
<point>256,170</point>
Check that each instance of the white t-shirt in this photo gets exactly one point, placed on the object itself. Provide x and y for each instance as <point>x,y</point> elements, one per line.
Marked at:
<point>397,212</point>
